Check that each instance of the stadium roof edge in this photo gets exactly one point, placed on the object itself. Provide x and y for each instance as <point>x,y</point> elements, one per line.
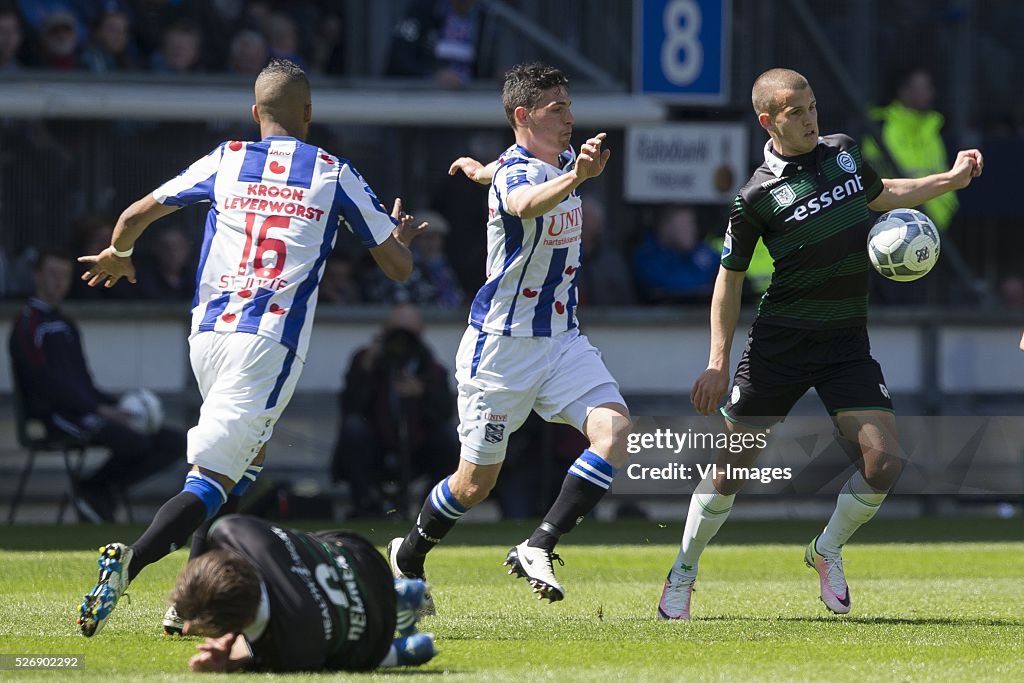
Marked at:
<point>204,102</point>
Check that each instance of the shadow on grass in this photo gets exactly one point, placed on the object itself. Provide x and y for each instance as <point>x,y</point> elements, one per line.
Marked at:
<point>627,532</point>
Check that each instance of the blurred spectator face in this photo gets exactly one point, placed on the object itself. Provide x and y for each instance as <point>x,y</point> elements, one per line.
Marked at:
<point>405,317</point>
<point>430,243</point>
<point>95,235</point>
<point>678,228</point>
<point>283,34</point>
<point>59,34</point>
<point>181,49</point>
<point>1012,290</point>
<point>10,37</point>
<point>248,53</point>
<point>112,32</point>
<point>593,227</point>
<point>52,279</point>
<point>172,251</point>
<point>918,91</point>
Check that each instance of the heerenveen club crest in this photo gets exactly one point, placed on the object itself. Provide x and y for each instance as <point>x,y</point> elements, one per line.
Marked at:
<point>847,162</point>
<point>784,195</point>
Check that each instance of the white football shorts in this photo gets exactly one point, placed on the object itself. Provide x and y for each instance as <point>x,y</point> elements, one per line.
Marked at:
<point>246,381</point>
<point>501,379</point>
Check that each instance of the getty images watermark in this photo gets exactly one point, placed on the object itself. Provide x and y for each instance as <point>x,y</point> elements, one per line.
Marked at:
<point>966,456</point>
<point>667,440</point>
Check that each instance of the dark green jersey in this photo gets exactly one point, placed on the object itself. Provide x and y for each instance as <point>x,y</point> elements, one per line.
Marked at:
<point>812,213</point>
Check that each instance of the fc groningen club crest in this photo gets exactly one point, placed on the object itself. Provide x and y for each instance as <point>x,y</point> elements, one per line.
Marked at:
<point>784,195</point>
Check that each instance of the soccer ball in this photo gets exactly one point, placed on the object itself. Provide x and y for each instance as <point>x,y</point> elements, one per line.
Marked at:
<point>903,244</point>
<point>144,409</point>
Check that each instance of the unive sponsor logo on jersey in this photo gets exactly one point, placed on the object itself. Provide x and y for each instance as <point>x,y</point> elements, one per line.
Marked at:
<point>847,162</point>
<point>827,198</point>
<point>564,228</point>
<point>784,196</point>
<point>494,417</point>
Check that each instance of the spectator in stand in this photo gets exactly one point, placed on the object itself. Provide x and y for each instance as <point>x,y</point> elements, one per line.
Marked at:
<point>58,42</point>
<point>604,275</point>
<point>447,40</point>
<point>283,37</point>
<point>432,283</point>
<point>111,47</point>
<point>172,273</point>
<point>11,38</point>
<point>672,264</point>
<point>396,408</point>
<point>339,285</point>
<point>248,54</point>
<point>181,49</point>
<point>46,352</point>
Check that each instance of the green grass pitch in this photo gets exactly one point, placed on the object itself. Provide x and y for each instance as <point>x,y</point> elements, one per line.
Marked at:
<point>934,600</point>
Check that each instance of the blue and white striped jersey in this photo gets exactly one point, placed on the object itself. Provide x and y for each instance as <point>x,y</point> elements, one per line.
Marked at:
<point>532,265</point>
<point>274,215</point>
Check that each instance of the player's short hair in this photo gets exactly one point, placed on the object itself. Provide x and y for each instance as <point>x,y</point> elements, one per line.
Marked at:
<point>218,593</point>
<point>769,84</point>
<point>525,84</point>
<point>286,70</point>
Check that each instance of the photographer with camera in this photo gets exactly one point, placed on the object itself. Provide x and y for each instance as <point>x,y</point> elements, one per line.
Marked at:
<point>396,410</point>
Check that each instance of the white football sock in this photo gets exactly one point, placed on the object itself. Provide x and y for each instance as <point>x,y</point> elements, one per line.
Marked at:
<point>857,503</point>
<point>708,511</point>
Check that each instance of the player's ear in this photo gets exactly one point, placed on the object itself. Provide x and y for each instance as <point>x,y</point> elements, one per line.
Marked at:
<point>307,112</point>
<point>765,120</point>
<point>255,114</point>
<point>520,114</point>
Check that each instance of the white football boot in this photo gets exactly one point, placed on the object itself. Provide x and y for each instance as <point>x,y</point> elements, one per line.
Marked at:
<point>534,565</point>
<point>675,596</point>
<point>426,608</point>
<point>835,593</point>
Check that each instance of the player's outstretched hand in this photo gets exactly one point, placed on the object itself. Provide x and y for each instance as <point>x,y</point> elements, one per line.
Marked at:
<point>406,230</point>
<point>105,268</point>
<point>591,160</point>
<point>968,165</point>
<point>708,390</point>
<point>214,654</point>
<point>472,169</point>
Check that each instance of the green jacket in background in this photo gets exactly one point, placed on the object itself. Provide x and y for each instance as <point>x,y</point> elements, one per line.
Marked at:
<point>914,140</point>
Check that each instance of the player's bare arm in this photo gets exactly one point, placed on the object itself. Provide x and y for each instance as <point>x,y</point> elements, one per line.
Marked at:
<point>1022,343</point>
<point>107,267</point>
<point>537,200</point>
<point>224,654</point>
<point>712,384</point>
<point>904,192</point>
<point>474,170</point>
<point>393,256</point>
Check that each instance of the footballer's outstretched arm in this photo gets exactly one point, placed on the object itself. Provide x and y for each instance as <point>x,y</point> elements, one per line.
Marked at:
<point>107,267</point>
<point>393,255</point>
<point>474,170</point>
<point>537,200</point>
<point>904,192</point>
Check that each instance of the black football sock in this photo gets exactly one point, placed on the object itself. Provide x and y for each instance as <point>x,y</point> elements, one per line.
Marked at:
<point>439,514</point>
<point>199,544</point>
<point>174,521</point>
<point>585,484</point>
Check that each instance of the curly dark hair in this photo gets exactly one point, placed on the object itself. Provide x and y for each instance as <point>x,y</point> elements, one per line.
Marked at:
<point>525,84</point>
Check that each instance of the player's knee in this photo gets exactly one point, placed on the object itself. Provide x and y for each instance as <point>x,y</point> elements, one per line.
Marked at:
<point>882,471</point>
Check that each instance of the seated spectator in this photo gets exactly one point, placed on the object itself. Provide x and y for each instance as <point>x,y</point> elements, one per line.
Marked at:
<point>11,37</point>
<point>396,410</point>
<point>604,276</point>
<point>58,41</point>
<point>46,352</point>
<point>447,40</point>
<point>171,275</point>
<point>181,48</point>
<point>338,285</point>
<point>672,264</point>
<point>110,47</point>
<point>432,282</point>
